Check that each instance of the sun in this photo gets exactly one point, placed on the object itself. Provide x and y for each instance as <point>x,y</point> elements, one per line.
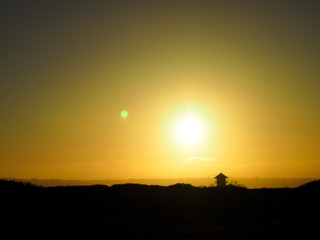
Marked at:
<point>189,130</point>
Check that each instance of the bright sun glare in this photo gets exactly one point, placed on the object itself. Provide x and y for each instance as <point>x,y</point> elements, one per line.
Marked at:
<point>189,130</point>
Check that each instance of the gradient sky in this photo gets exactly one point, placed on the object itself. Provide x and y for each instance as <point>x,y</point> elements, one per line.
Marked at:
<point>249,69</point>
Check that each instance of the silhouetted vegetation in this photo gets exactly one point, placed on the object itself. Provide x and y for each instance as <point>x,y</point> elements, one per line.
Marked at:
<point>179,211</point>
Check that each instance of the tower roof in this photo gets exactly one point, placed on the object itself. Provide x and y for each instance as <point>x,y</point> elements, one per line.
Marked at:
<point>221,175</point>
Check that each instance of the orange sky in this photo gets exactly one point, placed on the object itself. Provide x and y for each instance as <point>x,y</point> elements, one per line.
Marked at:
<point>249,71</point>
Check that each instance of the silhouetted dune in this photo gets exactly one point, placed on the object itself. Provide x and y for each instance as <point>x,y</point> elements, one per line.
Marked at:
<point>314,185</point>
<point>180,211</point>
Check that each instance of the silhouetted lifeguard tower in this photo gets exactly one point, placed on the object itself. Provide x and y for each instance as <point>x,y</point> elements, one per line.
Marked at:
<point>221,180</point>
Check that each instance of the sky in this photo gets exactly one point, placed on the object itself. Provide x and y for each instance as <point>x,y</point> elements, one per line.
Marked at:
<point>208,86</point>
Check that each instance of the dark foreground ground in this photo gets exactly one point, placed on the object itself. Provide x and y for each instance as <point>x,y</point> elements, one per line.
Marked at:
<point>180,211</point>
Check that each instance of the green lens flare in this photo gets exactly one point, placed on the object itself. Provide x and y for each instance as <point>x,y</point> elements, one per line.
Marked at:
<point>124,114</point>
